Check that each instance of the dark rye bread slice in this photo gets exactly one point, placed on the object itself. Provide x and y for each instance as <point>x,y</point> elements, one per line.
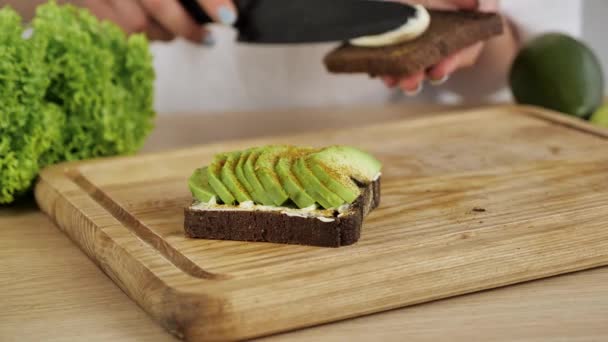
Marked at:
<point>448,33</point>
<point>271,226</point>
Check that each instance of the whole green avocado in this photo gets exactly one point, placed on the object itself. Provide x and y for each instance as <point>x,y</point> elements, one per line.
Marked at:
<point>558,72</point>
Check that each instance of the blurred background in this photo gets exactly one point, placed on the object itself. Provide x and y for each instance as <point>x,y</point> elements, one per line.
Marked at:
<point>594,28</point>
<point>198,79</point>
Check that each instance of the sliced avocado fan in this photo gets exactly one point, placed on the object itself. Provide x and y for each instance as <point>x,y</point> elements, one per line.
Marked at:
<point>274,174</point>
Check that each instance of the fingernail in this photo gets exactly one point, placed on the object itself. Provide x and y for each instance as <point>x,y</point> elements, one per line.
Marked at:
<point>226,15</point>
<point>27,33</point>
<point>440,81</point>
<point>415,92</point>
<point>208,40</point>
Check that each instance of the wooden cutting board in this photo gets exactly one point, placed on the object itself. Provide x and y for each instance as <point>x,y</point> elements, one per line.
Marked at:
<point>470,201</point>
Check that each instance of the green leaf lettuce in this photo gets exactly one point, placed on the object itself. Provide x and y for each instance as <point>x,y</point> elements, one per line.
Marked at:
<point>76,88</point>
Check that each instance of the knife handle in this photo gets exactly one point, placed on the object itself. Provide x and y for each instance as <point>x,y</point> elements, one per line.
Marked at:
<point>196,12</point>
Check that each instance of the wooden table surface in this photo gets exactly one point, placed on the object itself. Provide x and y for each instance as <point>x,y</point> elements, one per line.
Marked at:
<point>50,291</point>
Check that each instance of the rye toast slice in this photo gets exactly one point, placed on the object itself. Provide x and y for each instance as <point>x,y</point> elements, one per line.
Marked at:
<point>233,223</point>
<point>448,33</point>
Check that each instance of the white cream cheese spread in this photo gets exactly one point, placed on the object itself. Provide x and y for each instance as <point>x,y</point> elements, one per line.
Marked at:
<point>377,176</point>
<point>411,30</point>
<point>324,215</point>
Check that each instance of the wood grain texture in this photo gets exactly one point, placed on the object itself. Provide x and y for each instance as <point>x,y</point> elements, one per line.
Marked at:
<point>50,292</point>
<point>571,308</point>
<point>425,242</point>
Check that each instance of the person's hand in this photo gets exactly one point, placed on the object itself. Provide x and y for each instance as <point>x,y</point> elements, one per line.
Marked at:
<point>439,73</point>
<point>162,19</point>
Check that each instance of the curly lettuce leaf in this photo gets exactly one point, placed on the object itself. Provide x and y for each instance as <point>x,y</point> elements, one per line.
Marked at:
<point>30,128</point>
<point>76,89</point>
<point>102,79</point>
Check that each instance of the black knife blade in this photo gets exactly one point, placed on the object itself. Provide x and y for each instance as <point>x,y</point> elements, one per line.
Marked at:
<point>310,21</point>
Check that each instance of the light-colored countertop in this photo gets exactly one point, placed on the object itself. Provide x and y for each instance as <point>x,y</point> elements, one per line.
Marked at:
<point>51,291</point>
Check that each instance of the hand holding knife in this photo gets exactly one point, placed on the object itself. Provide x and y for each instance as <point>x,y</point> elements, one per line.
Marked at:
<point>309,21</point>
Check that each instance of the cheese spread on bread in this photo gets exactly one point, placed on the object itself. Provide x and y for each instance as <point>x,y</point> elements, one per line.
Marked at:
<point>411,30</point>
<point>325,215</point>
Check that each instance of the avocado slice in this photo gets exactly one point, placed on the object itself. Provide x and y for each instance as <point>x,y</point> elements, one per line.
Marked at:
<point>213,172</point>
<point>313,185</point>
<point>199,186</point>
<point>265,171</point>
<point>291,184</point>
<point>240,173</point>
<point>230,180</point>
<point>349,161</point>
<point>258,193</point>
<point>338,183</point>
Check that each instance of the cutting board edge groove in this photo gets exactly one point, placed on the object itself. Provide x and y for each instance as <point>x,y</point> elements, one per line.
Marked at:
<point>140,230</point>
<point>175,309</point>
<point>561,119</point>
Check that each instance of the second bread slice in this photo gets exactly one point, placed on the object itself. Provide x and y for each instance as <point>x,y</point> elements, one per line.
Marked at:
<point>448,33</point>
